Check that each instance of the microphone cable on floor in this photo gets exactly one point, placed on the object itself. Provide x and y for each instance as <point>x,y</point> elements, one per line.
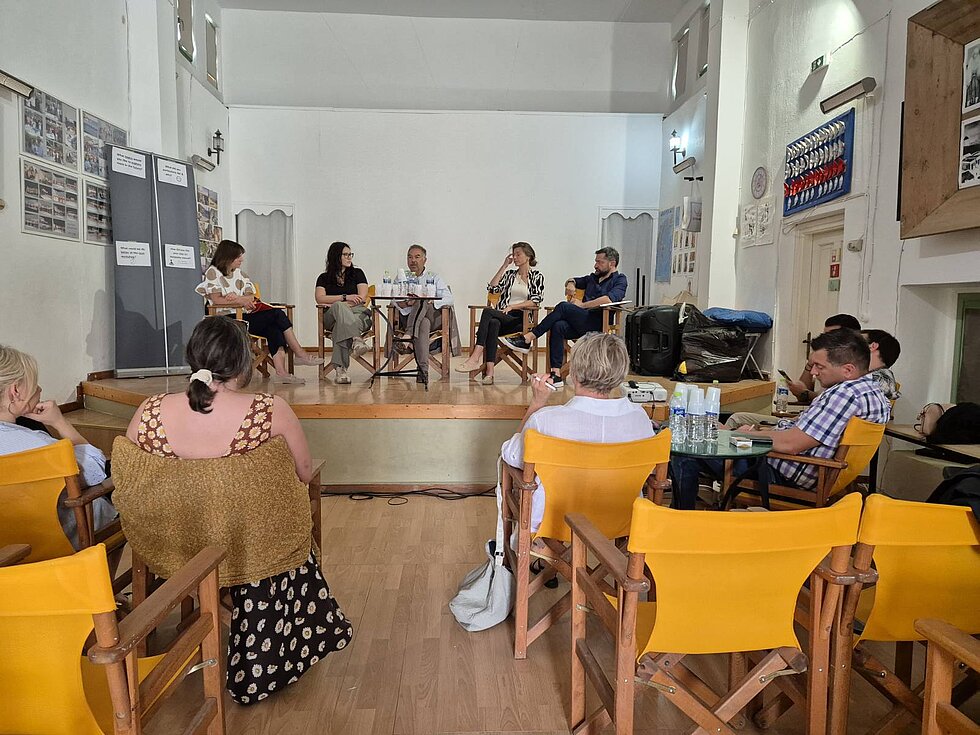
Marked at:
<point>402,497</point>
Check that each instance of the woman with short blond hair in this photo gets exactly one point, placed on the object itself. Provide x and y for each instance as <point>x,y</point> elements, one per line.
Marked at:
<point>20,398</point>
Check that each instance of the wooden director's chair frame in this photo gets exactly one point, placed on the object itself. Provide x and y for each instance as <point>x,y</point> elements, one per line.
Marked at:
<point>261,359</point>
<point>440,359</point>
<point>371,365</point>
<point>611,324</point>
<point>524,365</point>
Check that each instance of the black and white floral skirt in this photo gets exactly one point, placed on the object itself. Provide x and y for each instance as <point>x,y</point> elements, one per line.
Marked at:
<point>280,627</point>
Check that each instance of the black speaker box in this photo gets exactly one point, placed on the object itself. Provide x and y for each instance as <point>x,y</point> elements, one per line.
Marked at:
<point>653,339</point>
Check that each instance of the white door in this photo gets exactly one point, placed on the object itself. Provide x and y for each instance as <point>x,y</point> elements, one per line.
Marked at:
<point>818,286</point>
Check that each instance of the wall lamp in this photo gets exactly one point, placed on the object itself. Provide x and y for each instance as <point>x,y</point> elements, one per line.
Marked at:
<point>15,85</point>
<point>217,147</point>
<point>858,89</point>
<point>675,146</point>
<point>685,164</point>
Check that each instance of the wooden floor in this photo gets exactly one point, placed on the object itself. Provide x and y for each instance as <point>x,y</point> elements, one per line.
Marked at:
<point>411,669</point>
<point>458,397</point>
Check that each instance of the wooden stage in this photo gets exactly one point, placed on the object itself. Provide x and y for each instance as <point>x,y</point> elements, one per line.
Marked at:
<point>392,432</point>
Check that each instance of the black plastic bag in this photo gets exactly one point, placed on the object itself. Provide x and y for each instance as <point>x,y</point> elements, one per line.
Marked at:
<point>710,350</point>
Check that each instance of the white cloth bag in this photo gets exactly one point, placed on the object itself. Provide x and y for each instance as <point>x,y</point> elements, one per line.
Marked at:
<point>486,594</point>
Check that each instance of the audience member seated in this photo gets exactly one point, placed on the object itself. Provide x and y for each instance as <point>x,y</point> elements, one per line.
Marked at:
<point>885,350</point>
<point>281,624</point>
<point>225,285</point>
<point>520,288</point>
<point>425,317</point>
<point>840,361</point>
<point>805,388</point>
<point>597,367</point>
<point>571,319</point>
<point>20,397</point>
<point>344,289</point>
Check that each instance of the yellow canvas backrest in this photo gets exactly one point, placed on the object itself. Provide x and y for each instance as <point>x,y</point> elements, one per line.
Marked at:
<point>372,290</point>
<point>729,581</point>
<point>862,439</point>
<point>493,299</point>
<point>45,617</point>
<point>600,481</point>
<point>30,483</point>
<point>928,561</point>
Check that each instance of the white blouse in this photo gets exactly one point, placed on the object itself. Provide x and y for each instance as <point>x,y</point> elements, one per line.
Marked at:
<point>518,291</point>
<point>216,282</point>
<point>584,419</point>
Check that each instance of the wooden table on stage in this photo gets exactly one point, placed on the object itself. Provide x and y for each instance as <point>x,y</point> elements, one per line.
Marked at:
<point>731,393</point>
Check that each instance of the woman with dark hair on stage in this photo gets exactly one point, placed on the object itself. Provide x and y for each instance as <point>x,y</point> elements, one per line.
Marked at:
<point>520,288</point>
<point>225,285</point>
<point>344,289</point>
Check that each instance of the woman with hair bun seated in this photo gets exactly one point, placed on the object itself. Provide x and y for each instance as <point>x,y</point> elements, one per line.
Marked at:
<point>243,488</point>
<point>520,288</point>
<point>225,285</point>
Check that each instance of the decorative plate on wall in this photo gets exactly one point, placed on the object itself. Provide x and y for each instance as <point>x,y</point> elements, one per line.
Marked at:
<point>760,181</point>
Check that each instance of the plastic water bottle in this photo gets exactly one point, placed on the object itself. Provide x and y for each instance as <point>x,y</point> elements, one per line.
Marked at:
<point>782,396</point>
<point>695,416</point>
<point>678,414</point>
<point>711,410</point>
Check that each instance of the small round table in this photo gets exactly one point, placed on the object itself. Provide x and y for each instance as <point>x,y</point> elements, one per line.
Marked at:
<point>723,449</point>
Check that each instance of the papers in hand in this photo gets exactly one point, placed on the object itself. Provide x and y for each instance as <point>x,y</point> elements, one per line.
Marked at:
<point>611,303</point>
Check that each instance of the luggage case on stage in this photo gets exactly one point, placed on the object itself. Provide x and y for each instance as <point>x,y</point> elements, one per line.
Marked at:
<point>653,339</point>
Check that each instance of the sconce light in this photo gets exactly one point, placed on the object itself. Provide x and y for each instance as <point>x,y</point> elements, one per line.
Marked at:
<point>858,89</point>
<point>675,146</point>
<point>15,85</point>
<point>217,146</point>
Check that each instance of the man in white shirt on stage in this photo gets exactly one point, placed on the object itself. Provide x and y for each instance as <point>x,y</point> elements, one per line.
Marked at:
<point>422,317</point>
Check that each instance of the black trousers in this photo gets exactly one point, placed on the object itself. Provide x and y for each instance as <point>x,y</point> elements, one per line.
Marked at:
<point>493,323</point>
<point>271,324</point>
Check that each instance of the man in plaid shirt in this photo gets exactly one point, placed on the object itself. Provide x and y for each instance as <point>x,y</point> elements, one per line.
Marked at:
<point>840,361</point>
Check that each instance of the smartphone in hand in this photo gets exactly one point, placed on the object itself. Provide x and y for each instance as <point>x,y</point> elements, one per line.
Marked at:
<point>783,373</point>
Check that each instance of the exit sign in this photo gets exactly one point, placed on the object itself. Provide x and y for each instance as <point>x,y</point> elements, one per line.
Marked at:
<point>817,63</point>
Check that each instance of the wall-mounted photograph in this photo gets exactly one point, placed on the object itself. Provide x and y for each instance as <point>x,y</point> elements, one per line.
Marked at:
<point>970,154</point>
<point>971,76</point>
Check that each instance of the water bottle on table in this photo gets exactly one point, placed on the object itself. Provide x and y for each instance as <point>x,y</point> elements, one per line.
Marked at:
<point>712,409</point>
<point>695,415</point>
<point>782,396</point>
<point>678,414</point>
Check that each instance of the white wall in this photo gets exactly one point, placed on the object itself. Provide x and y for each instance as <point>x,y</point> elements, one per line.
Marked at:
<point>56,297</point>
<point>388,62</point>
<point>466,185</point>
<point>868,39</point>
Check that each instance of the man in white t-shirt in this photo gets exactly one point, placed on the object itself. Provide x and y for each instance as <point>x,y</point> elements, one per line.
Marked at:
<point>597,367</point>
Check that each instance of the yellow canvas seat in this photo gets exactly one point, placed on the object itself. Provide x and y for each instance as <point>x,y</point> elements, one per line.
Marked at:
<point>47,612</point>
<point>599,481</point>
<point>725,583</point>
<point>525,365</point>
<point>927,559</point>
<point>31,483</point>
<point>835,477</point>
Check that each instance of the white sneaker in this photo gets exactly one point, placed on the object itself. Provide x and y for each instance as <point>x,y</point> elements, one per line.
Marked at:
<point>359,347</point>
<point>342,377</point>
<point>307,359</point>
<point>288,380</point>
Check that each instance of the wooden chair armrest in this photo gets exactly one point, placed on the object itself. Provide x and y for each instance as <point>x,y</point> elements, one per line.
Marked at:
<point>151,612</point>
<point>91,493</point>
<point>802,458</point>
<point>13,553</point>
<point>517,477</point>
<point>963,646</point>
<point>605,551</point>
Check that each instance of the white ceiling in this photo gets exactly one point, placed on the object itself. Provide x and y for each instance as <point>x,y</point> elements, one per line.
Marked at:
<point>625,11</point>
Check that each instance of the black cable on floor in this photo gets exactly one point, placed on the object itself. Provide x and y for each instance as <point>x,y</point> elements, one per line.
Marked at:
<point>400,498</point>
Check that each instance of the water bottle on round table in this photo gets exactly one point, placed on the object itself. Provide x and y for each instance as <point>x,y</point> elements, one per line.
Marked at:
<point>782,396</point>
<point>678,414</point>
<point>695,415</point>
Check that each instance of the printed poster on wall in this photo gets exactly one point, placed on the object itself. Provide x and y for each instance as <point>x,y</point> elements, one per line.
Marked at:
<point>50,201</point>
<point>50,129</point>
<point>970,154</point>
<point>207,222</point>
<point>971,76</point>
<point>96,133</point>
<point>684,261</point>
<point>98,222</point>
